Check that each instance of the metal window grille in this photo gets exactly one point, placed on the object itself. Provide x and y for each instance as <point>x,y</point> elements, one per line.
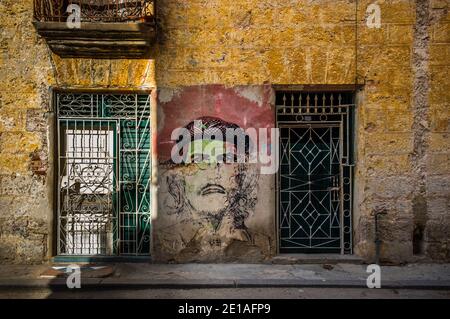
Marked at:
<point>316,166</point>
<point>95,10</point>
<point>104,166</point>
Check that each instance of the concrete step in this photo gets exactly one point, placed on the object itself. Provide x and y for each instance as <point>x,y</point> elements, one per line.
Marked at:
<point>289,259</point>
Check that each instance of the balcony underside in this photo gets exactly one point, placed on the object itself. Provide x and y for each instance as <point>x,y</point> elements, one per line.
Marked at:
<point>131,40</point>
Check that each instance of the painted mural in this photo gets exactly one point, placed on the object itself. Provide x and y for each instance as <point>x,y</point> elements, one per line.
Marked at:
<point>209,208</point>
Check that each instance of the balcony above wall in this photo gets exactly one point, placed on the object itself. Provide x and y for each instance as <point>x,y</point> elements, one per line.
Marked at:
<point>108,28</point>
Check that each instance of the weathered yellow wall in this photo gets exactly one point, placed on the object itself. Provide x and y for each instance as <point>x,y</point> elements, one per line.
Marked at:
<point>252,42</point>
<point>25,73</point>
<point>437,231</point>
<point>384,132</point>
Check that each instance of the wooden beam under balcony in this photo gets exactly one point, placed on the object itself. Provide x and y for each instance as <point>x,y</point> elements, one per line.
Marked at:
<point>116,40</point>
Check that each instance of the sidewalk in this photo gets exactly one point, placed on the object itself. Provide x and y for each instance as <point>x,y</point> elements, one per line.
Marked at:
<point>145,275</point>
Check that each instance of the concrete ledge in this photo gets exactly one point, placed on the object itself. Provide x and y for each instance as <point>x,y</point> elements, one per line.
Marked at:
<point>118,283</point>
<point>294,283</point>
<point>162,283</point>
<point>299,283</point>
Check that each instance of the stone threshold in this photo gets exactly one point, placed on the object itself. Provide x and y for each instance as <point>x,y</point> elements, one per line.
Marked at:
<point>289,259</point>
<point>67,259</point>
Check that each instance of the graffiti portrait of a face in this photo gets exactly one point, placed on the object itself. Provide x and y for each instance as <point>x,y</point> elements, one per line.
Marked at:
<point>208,190</point>
<point>210,187</point>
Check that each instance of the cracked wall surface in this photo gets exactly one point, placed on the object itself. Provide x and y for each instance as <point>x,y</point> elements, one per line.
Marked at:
<point>436,240</point>
<point>210,48</point>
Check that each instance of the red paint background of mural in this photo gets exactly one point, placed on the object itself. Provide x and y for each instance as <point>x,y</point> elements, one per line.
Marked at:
<point>246,106</point>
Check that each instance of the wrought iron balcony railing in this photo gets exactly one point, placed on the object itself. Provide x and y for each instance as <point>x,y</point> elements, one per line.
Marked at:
<point>94,10</point>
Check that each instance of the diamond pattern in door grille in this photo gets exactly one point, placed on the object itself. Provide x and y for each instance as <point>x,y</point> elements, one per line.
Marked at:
<point>309,199</point>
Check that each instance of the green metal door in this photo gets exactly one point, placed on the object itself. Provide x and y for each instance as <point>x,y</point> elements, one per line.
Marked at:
<point>135,172</point>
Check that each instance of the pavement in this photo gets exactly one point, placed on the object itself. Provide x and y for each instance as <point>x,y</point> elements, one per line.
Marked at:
<point>232,276</point>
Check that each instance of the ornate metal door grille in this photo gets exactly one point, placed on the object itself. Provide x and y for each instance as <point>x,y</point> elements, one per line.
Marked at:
<point>315,176</point>
<point>104,165</point>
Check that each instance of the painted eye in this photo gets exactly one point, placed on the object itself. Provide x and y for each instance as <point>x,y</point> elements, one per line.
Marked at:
<point>198,158</point>
<point>229,157</point>
<point>205,158</point>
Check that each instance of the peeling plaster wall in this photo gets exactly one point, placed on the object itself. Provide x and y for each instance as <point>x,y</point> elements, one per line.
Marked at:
<point>237,224</point>
<point>222,47</point>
